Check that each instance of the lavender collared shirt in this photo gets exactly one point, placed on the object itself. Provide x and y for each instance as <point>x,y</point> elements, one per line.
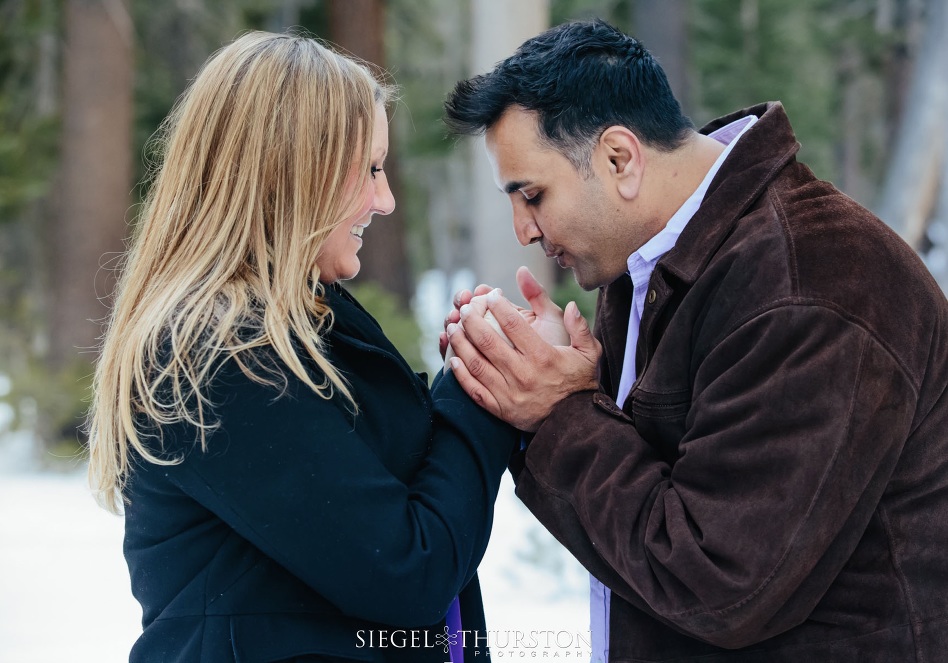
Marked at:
<point>641,264</point>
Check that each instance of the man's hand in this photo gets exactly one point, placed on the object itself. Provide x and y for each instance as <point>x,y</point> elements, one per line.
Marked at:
<point>544,316</point>
<point>522,383</point>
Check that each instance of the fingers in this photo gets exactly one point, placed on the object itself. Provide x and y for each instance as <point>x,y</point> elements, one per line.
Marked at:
<point>462,297</point>
<point>473,388</point>
<point>522,384</point>
<point>534,292</point>
<point>483,332</point>
<point>453,316</point>
<point>512,325</point>
<point>443,343</point>
<point>474,353</point>
<point>530,288</point>
<point>580,335</point>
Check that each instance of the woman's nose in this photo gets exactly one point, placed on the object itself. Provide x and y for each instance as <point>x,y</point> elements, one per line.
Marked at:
<point>384,202</point>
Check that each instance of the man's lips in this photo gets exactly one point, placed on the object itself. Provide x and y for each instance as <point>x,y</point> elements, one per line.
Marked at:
<point>557,254</point>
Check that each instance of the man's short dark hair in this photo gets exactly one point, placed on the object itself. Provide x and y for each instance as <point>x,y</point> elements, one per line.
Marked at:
<point>580,78</point>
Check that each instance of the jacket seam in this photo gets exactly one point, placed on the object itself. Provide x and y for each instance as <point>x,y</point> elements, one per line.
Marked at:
<point>212,601</point>
<point>903,583</point>
<point>792,300</point>
<point>781,215</point>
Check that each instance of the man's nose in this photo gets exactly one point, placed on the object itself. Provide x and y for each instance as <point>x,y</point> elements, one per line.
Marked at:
<point>525,226</point>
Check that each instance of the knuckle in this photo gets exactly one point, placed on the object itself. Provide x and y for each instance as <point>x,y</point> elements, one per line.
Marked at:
<point>510,322</point>
<point>486,339</point>
<point>546,361</point>
<point>477,395</point>
<point>476,367</point>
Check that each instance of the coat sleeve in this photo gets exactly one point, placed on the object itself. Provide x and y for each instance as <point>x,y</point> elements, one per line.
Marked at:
<point>311,494</point>
<point>795,423</point>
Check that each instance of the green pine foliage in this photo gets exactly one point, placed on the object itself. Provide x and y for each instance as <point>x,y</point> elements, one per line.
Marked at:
<point>751,51</point>
<point>399,325</point>
<point>28,135</point>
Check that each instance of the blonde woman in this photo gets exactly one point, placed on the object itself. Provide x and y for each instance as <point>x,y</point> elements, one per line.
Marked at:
<point>291,489</point>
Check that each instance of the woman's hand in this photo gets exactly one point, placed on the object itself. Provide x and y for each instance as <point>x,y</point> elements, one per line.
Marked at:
<point>461,298</point>
<point>543,316</point>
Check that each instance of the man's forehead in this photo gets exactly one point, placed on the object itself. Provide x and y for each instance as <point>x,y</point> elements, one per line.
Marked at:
<point>513,139</point>
<point>509,164</point>
<point>514,125</point>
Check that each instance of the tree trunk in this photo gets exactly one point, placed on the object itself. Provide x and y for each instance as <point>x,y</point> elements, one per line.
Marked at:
<point>910,190</point>
<point>95,177</point>
<point>662,25</point>
<point>358,26</point>
<point>498,27</point>
<point>937,257</point>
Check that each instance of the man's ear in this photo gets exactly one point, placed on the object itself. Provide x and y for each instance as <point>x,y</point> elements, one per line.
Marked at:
<point>625,159</point>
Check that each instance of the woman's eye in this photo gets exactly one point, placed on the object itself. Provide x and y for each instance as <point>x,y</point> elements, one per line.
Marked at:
<point>374,170</point>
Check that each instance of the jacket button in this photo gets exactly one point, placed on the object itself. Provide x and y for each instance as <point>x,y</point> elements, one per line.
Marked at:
<point>651,296</point>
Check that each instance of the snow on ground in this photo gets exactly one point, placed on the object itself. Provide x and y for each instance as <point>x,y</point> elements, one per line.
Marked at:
<point>64,589</point>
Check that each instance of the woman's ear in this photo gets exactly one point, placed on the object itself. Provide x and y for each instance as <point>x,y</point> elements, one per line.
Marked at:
<point>626,159</point>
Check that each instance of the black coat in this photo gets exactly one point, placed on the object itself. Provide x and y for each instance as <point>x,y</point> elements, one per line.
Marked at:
<point>305,530</point>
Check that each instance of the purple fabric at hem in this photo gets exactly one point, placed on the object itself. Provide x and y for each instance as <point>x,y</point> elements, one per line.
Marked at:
<point>455,636</point>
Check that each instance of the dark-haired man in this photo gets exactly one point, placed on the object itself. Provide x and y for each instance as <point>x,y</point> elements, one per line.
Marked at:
<point>762,473</point>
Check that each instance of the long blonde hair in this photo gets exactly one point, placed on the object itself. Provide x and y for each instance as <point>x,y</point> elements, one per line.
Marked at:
<point>260,159</point>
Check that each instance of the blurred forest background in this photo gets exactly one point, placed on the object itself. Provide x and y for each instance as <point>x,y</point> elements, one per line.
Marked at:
<point>85,83</point>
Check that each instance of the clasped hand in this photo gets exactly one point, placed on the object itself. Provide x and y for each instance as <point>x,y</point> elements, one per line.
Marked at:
<point>524,361</point>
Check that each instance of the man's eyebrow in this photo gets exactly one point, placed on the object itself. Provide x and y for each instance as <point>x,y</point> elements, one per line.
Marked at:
<point>514,186</point>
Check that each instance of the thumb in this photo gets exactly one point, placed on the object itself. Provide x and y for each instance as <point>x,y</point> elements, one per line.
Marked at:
<point>535,294</point>
<point>580,335</point>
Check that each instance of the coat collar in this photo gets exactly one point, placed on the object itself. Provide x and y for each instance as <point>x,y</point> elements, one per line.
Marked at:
<point>354,326</point>
<point>760,154</point>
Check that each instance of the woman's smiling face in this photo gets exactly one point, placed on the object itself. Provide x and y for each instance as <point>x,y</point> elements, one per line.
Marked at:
<point>338,260</point>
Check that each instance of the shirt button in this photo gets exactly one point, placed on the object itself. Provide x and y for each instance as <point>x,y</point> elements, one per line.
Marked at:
<point>651,296</point>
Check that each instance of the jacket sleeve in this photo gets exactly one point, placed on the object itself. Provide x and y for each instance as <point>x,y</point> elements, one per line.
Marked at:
<point>311,494</point>
<point>796,420</point>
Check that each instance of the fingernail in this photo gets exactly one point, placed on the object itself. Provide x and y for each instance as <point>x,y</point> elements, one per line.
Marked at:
<point>576,310</point>
<point>455,362</point>
<point>494,295</point>
<point>465,309</point>
<point>451,329</point>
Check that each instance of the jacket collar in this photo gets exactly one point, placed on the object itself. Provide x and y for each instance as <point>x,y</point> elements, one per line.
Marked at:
<point>760,154</point>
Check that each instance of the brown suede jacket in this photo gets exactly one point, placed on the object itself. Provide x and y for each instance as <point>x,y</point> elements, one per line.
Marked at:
<point>775,488</point>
